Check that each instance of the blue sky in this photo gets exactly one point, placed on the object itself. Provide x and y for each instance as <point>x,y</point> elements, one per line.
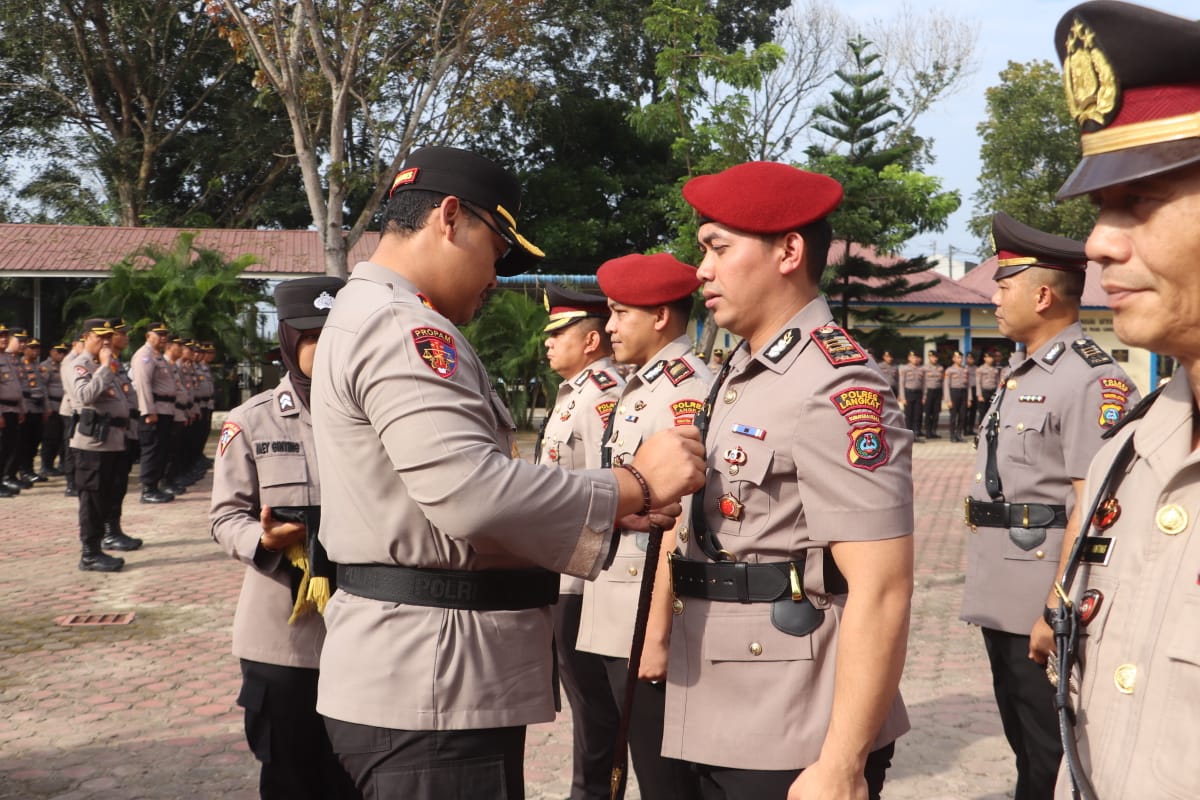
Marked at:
<point>1013,30</point>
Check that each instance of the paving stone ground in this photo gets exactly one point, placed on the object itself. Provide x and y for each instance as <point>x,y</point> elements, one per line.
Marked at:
<point>147,710</point>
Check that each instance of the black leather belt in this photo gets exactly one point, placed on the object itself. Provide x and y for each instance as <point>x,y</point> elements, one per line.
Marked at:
<point>183,407</point>
<point>9,404</point>
<point>1015,515</point>
<point>164,398</point>
<point>485,590</point>
<point>740,582</point>
<point>119,422</point>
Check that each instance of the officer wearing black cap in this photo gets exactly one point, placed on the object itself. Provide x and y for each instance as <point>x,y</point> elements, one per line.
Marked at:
<point>52,431</point>
<point>1132,79</point>
<point>1040,432</point>
<point>12,414</point>
<point>580,351</point>
<point>265,504</point>
<point>154,383</point>
<point>98,441</point>
<point>33,387</point>
<point>448,548</point>
<point>115,537</point>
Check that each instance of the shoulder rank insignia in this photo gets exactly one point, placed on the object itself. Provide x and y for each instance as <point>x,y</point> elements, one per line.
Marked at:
<point>228,432</point>
<point>679,371</point>
<point>652,374</point>
<point>1090,352</point>
<point>863,410</point>
<point>604,408</point>
<point>603,380</point>
<point>837,346</point>
<point>685,411</point>
<point>437,350</point>
<point>782,345</point>
<point>583,376</point>
<point>286,401</point>
<point>1054,353</point>
<point>1114,396</point>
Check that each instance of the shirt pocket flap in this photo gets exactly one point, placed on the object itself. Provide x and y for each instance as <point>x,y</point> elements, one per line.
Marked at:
<point>627,568</point>
<point>283,470</point>
<point>743,638</point>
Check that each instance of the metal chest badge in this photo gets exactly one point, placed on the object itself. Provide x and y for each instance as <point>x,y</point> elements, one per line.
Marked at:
<point>730,507</point>
<point>1108,513</point>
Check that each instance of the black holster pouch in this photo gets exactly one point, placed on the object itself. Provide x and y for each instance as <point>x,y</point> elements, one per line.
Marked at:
<point>93,424</point>
<point>797,617</point>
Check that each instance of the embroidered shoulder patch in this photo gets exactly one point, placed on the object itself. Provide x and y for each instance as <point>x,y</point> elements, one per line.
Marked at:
<point>837,346</point>
<point>604,409</point>
<point>80,369</point>
<point>1114,396</point>
<point>863,409</point>
<point>782,344</point>
<point>437,350</point>
<point>685,411</point>
<point>229,431</point>
<point>679,371</point>
<point>603,380</point>
<point>286,402</point>
<point>1090,352</point>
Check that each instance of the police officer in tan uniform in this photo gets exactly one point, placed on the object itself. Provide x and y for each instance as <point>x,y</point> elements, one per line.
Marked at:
<point>1137,591</point>
<point>580,351</point>
<point>912,394</point>
<point>438,648</point>
<point>795,583</point>
<point>115,537</point>
<point>650,297</point>
<point>987,380</point>
<point>185,414</point>
<point>265,465</point>
<point>52,431</point>
<point>12,414</point>
<point>66,410</point>
<point>33,386</point>
<point>1041,431</point>
<point>891,373</point>
<point>956,381</point>
<point>931,397</point>
<point>98,442</point>
<point>155,386</point>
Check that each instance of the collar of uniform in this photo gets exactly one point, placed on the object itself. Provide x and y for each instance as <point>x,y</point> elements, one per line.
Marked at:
<point>677,348</point>
<point>1062,341</point>
<point>375,273</point>
<point>1164,436</point>
<point>806,320</point>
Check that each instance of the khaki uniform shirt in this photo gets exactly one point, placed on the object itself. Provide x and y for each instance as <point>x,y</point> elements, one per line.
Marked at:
<point>824,457</point>
<point>126,385</point>
<point>66,374</point>
<point>183,390</point>
<point>1139,712</point>
<point>203,387</point>
<point>1054,409</point>
<point>52,375</point>
<point>891,374</point>
<point>154,382</point>
<point>933,374</point>
<point>575,427</point>
<point>12,398</point>
<point>415,454</point>
<point>33,386</point>
<point>912,378</point>
<point>954,378</point>
<point>986,379</point>
<point>93,386</point>
<point>668,390</point>
<point>266,457</point>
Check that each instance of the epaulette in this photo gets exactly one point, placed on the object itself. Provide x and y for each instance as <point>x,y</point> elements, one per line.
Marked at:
<point>603,380</point>
<point>1090,352</point>
<point>837,346</point>
<point>1137,412</point>
<point>679,371</point>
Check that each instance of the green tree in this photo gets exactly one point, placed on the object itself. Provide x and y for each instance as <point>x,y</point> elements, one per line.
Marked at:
<point>194,289</point>
<point>1030,147</point>
<point>508,337</point>
<point>887,201</point>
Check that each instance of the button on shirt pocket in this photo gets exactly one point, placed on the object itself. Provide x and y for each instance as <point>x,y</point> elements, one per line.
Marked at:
<point>740,637</point>
<point>738,496</point>
<point>1024,433</point>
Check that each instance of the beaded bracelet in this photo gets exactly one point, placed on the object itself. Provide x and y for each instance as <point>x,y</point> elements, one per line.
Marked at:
<point>645,488</point>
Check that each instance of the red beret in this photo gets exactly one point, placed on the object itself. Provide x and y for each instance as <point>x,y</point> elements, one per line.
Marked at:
<point>638,280</point>
<point>763,197</point>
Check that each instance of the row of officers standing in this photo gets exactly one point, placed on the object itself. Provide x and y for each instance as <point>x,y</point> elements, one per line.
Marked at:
<point>781,487</point>
<point>97,416</point>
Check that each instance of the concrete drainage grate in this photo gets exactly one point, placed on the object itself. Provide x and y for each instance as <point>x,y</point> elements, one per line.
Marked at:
<point>81,620</point>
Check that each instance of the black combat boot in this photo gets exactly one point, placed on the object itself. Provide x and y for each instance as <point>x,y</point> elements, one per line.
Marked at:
<point>151,494</point>
<point>117,539</point>
<point>93,559</point>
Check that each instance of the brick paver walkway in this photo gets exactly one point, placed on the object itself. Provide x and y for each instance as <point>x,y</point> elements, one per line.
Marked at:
<point>147,710</point>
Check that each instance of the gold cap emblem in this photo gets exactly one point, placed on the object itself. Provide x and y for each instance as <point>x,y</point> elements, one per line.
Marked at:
<point>1089,79</point>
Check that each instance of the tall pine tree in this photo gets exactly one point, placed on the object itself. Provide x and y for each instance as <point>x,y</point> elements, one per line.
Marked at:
<point>887,201</point>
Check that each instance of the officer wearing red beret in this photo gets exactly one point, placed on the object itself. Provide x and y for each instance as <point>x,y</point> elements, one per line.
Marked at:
<point>1132,79</point>
<point>650,298</point>
<point>795,582</point>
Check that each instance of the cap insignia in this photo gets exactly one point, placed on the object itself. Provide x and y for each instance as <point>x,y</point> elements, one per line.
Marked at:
<point>1091,84</point>
<point>324,302</point>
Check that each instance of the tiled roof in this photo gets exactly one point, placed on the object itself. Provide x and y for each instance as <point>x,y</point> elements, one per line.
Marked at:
<point>980,280</point>
<point>82,250</point>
